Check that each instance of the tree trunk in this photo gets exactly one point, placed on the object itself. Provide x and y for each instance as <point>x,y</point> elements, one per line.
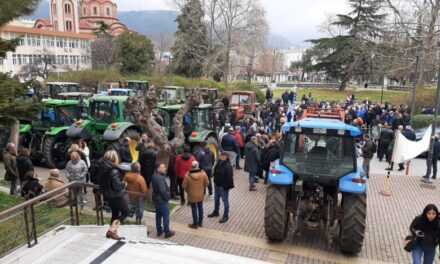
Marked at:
<point>15,132</point>
<point>343,85</point>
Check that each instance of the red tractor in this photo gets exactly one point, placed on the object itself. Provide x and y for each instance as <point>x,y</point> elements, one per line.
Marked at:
<point>243,103</point>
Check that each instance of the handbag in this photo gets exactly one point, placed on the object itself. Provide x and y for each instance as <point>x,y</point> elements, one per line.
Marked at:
<point>409,246</point>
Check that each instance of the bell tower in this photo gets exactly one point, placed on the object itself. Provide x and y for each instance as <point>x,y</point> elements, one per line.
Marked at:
<point>64,15</point>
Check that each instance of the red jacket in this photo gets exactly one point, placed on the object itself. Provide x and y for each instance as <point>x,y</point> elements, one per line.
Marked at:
<point>239,137</point>
<point>183,164</point>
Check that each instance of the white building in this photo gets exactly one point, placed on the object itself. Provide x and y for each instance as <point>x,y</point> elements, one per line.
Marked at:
<point>61,51</point>
<point>292,55</point>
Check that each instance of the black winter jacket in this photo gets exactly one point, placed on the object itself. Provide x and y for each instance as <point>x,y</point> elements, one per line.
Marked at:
<point>270,154</point>
<point>223,174</point>
<point>161,190</point>
<point>431,232</point>
<point>24,165</point>
<point>111,181</point>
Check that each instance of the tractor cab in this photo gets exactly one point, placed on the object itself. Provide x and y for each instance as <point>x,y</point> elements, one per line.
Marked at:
<point>56,88</point>
<point>121,92</point>
<point>209,95</point>
<point>139,87</point>
<point>243,103</point>
<point>172,95</point>
<point>56,113</point>
<point>167,114</point>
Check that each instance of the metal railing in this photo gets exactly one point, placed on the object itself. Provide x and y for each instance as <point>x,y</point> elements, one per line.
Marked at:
<point>43,213</point>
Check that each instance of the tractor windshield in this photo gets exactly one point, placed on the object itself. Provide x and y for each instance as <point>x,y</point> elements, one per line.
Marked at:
<point>55,89</point>
<point>313,155</point>
<point>239,99</point>
<point>201,119</point>
<point>60,116</point>
<point>104,111</point>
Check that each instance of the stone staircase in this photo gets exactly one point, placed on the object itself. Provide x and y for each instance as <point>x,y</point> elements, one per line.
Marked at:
<point>87,244</point>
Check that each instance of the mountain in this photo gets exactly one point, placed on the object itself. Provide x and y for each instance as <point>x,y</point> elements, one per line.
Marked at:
<point>150,22</point>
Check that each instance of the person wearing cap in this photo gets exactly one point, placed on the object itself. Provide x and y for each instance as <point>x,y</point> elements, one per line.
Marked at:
<point>252,161</point>
<point>224,182</point>
<point>53,182</point>
<point>195,183</point>
<point>230,145</point>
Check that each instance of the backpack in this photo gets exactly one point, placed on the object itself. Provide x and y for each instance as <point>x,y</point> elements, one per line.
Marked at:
<point>31,189</point>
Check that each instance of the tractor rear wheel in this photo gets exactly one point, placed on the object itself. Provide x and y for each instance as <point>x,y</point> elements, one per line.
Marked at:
<point>55,150</point>
<point>276,216</point>
<point>353,223</point>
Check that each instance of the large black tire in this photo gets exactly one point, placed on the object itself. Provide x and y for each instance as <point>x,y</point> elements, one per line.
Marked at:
<point>353,223</point>
<point>276,216</point>
<point>55,150</point>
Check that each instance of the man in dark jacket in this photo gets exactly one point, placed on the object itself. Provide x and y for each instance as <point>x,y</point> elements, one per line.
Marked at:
<point>368,151</point>
<point>252,161</point>
<point>385,139</point>
<point>10,163</point>
<point>269,95</point>
<point>230,145</point>
<point>269,154</point>
<point>285,98</point>
<point>147,159</point>
<point>435,157</point>
<point>161,197</point>
<point>206,160</point>
<point>224,181</point>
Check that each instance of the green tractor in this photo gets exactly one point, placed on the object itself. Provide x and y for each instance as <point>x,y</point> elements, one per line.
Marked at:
<point>169,95</point>
<point>199,125</point>
<point>106,126</point>
<point>204,128</point>
<point>46,136</point>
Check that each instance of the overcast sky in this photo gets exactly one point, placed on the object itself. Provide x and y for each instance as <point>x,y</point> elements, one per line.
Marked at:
<point>296,20</point>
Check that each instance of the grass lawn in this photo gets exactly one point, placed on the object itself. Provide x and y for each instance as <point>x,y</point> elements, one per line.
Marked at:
<point>13,230</point>
<point>394,97</point>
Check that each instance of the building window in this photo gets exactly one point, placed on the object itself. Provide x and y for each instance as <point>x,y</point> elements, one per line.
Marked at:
<point>68,25</point>
<point>67,9</point>
<point>95,10</point>
<point>108,11</point>
<point>38,41</point>
<point>14,59</point>
<point>84,11</point>
<point>19,61</point>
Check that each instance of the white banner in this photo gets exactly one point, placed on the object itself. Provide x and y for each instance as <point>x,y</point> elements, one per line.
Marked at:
<point>405,149</point>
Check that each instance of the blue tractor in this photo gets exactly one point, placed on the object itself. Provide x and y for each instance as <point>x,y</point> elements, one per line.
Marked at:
<point>318,183</point>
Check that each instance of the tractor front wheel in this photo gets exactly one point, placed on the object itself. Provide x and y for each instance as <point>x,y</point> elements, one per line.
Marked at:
<point>276,216</point>
<point>55,150</point>
<point>353,223</point>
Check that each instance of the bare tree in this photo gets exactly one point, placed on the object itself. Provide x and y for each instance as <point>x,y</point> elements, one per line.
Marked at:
<point>39,67</point>
<point>103,51</point>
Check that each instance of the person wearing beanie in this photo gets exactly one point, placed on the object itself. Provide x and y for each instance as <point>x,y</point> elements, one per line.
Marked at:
<point>195,183</point>
<point>53,182</point>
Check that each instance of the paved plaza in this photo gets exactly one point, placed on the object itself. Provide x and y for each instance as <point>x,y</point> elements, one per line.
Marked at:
<point>388,219</point>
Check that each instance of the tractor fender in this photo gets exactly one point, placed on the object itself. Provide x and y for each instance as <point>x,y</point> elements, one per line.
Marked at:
<point>56,130</point>
<point>347,185</point>
<point>78,129</point>
<point>25,128</point>
<point>280,174</point>
<point>200,136</point>
<point>114,131</point>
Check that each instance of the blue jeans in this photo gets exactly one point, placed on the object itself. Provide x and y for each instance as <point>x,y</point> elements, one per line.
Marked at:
<point>197,213</point>
<point>252,179</point>
<point>418,253</point>
<point>220,192</point>
<point>162,214</point>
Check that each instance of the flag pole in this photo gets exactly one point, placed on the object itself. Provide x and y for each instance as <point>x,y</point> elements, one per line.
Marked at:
<point>426,178</point>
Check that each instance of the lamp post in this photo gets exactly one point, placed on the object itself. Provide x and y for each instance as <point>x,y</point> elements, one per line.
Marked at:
<point>426,178</point>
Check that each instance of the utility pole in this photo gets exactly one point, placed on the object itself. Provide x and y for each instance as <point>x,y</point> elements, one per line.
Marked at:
<point>426,178</point>
<point>413,99</point>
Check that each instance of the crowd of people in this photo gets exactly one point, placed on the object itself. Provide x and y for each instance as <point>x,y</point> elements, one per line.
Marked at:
<point>192,174</point>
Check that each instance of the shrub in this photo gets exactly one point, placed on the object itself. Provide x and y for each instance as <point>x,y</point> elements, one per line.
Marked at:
<point>421,121</point>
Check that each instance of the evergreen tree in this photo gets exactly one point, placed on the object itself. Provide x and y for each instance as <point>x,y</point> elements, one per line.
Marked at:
<point>191,44</point>
<point>12,109</point>
<point>349,54</point>
<point>134,53</point>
